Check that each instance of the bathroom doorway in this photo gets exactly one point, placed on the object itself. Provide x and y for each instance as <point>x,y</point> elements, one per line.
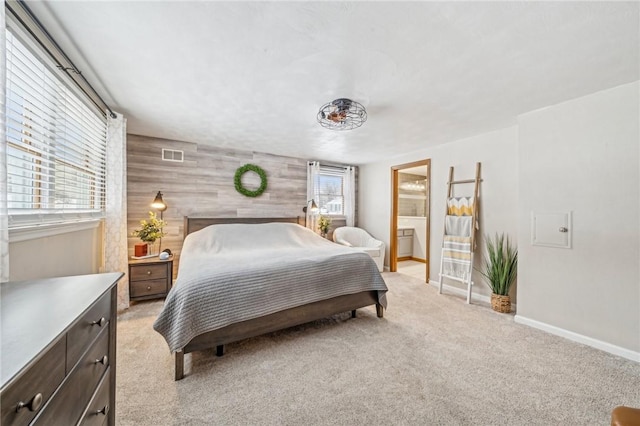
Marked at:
<point>410,219</point>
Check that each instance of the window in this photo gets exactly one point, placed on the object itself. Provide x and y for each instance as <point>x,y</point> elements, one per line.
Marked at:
<point>56,143</point>
<point>334,190</point>
<point>331,191</point>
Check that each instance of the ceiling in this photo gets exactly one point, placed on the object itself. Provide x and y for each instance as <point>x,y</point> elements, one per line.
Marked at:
<point>252,75</point>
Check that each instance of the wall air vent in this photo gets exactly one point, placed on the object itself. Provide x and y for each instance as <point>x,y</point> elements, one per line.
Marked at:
<point>172,155</point>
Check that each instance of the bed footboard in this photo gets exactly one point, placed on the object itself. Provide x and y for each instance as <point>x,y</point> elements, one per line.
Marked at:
<point>278,321</point>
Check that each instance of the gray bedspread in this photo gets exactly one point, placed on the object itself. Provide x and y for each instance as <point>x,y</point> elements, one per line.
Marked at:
<point>236,272</point>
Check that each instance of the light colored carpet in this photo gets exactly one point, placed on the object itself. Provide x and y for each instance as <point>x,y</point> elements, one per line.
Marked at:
<point>412,268</point>
<point>433,360</point>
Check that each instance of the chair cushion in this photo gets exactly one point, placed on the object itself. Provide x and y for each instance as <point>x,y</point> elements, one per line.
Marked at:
<point>371,251</point>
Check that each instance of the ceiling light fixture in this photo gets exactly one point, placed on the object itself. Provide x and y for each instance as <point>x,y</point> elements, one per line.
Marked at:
<point>342,114</point>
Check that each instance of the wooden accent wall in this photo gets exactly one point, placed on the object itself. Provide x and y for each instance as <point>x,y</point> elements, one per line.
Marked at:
<point>203,185</point>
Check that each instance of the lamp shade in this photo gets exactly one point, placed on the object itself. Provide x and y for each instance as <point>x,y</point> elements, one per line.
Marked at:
<point>158,203</point>
<point>313,207</point>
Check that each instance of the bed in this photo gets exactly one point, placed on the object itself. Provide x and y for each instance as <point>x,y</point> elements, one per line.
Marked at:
<point>240,278</point>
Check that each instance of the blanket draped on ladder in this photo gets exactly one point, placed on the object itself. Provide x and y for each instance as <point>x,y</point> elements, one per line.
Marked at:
<point>456,247</point>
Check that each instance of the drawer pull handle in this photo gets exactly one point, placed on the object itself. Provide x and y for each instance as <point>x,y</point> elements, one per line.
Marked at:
<point>102,321</point>
<point>148,272</point>
<point>148,287</point>
<point>102,360</point>
<point>33,405</point>
<point>103,411</point>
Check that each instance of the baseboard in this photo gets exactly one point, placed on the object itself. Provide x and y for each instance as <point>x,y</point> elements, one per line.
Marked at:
<point>417,259</point>
<point>579,338</point>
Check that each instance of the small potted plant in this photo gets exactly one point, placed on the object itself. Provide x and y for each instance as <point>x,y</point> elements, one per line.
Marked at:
<point>151,230</point>
<point>324,222</point>
<point>500,267</point>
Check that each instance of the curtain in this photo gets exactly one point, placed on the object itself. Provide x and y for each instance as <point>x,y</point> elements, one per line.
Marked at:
<point>4,218</point>
<point>115,224</point>
<point>313,191</point>
<point>349,185</point>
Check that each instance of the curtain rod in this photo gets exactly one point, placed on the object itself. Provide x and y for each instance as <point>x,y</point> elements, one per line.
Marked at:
<point>334,166</point>
<point>22,13</point>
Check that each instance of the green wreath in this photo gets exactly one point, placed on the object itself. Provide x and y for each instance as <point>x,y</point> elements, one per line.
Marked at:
<point>237,180</point>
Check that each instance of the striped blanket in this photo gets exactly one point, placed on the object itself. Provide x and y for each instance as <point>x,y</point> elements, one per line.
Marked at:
<point>456,257</point>
<point>236,272</point>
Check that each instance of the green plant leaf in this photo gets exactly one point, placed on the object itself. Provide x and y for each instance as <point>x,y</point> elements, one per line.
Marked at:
<point>500,264</point>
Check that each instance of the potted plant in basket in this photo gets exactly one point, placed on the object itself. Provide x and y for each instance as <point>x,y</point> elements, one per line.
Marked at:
<point>500,267</point>
<point>151,230</point>
<point>324,223</point>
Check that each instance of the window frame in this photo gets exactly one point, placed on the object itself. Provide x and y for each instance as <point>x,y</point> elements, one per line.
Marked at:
<point>330,171</point>
<point>80,158</point>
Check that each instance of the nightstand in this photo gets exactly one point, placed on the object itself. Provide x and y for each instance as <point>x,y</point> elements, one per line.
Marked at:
<point>150,278</point>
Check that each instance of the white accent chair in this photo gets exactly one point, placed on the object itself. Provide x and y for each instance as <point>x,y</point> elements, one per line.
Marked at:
<point>360,239</point>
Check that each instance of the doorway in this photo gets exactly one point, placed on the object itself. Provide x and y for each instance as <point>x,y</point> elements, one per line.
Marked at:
<point>410,219</point>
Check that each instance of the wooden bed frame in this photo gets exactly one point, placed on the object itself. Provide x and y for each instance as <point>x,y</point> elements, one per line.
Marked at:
<point>273,322</point>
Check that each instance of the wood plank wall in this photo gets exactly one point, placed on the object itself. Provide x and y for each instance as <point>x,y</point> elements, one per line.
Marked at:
<point>203,185</point>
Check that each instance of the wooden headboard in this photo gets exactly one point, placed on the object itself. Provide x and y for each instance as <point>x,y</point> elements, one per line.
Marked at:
<point>192,224</point>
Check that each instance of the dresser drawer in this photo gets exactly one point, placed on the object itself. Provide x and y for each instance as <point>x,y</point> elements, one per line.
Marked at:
<point>148,272</point>
<point>41,379</point>
<point>148,288</point>
<point>98,409</point>
<point>69,402</point>
<point>87,328</point>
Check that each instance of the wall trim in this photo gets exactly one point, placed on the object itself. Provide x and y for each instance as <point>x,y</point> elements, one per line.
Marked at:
<point>49,230</point>
<point>570,335</point>
<point>580,338</point>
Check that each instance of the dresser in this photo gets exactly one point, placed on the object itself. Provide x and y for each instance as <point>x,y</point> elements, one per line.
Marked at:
<point>58,351</point>
<point>150,278</point>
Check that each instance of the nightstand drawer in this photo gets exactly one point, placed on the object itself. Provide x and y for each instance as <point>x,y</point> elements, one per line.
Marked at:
<point>148,288</point>
<point>150,278</point>
<point>148,272</point>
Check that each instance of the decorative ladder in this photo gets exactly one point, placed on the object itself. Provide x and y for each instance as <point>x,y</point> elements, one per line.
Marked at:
<point>474,217</point>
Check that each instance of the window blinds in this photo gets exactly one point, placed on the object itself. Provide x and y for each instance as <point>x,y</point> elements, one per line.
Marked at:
<point>331,190</point>
<point>56,144</point>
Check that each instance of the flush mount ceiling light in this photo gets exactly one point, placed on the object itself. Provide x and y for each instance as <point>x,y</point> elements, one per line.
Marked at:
<point>342,114</point>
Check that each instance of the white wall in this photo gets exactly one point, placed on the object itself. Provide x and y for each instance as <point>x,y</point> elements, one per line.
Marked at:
<point>497,151</point>
<point>583,156</point>
<point>71,253</point>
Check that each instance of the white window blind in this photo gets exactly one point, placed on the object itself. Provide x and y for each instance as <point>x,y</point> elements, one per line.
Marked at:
<point>56,144</point>
<point>331,190</point>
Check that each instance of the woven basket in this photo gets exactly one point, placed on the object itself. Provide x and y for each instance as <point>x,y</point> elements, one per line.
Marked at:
<point>501,303</point>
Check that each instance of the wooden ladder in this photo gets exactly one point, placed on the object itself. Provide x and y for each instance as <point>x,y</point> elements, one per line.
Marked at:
<point>474,219</point>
